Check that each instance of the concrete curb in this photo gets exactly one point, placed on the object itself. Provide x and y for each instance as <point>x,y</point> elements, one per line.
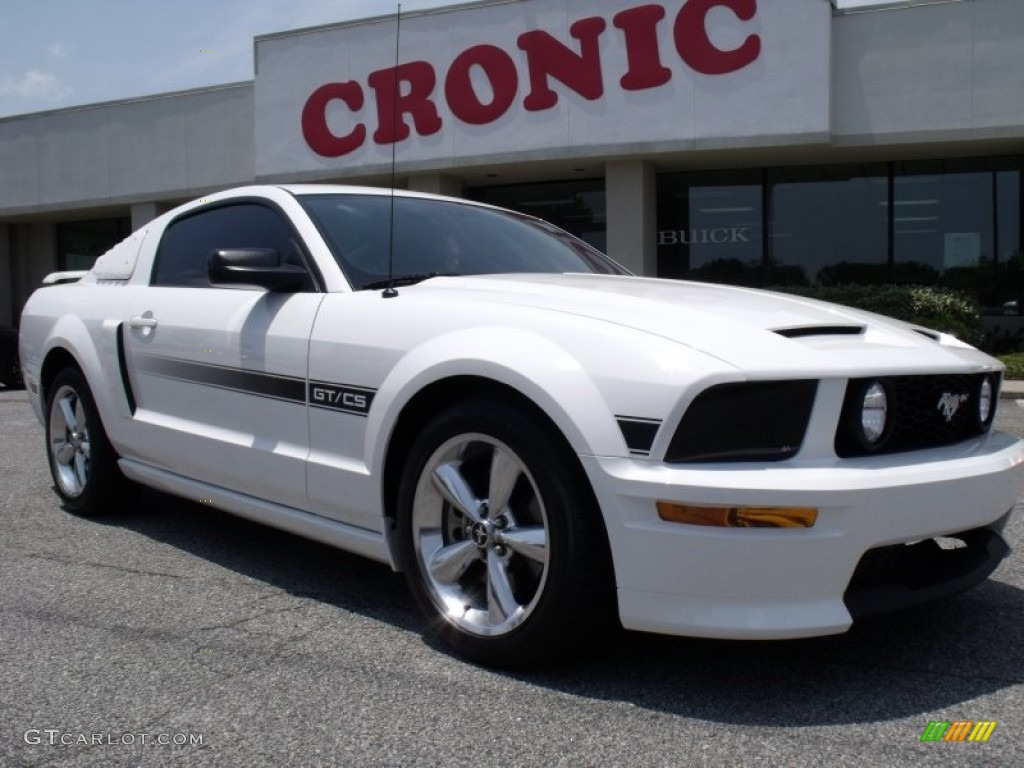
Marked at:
<point>1012,389</point>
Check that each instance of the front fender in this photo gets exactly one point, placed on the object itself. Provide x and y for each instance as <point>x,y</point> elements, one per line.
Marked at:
<point>533,365</point>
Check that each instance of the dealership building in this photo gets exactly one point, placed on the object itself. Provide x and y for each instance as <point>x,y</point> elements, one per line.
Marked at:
<point>756,142</point>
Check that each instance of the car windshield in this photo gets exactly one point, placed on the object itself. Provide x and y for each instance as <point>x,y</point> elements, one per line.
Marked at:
<point>439,237</point>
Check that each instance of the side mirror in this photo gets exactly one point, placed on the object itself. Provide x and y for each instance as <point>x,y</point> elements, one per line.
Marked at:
<point>260,267</point>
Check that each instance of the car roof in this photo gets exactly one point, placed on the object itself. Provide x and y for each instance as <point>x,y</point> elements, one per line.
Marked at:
<point>300,190</point>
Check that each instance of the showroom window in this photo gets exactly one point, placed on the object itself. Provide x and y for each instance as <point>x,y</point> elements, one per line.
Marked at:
<point>943,226</point>
<point>710,227</point>
<point>828,225</point>
<point>955,223</point>
<point>1008,291</point>
<point>80,243</point>
<point>577,207</point>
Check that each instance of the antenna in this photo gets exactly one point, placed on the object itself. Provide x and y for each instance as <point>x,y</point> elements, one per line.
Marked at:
<point>390,292</point>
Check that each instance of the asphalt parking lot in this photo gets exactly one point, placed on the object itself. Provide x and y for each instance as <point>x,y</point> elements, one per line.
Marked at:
<point>178,635</point>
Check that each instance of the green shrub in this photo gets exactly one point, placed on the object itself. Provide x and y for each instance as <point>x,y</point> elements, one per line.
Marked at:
<point>1014,363</point>
<point>940,309</point>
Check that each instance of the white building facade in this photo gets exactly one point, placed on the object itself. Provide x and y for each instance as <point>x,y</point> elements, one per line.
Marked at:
<point>759,142</point>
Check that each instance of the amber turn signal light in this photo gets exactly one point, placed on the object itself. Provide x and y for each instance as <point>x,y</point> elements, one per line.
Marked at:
<point>738,517</point>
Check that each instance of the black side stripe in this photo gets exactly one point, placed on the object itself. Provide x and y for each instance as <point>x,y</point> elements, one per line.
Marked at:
<point>122,365</point>
<point>318,394</point>
<point>639,433</point>
<point>235,379</point>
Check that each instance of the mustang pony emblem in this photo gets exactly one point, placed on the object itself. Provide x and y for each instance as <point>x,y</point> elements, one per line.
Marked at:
<point>949,404</point>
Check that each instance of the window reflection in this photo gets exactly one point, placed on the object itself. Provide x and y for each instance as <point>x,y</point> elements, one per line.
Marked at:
<point>80,243</point>
<point>957,224</point>
<point>578,207</point>
<point>1008,293</point>
<point>942,227</point>
<point>710,227</point>
<point>829,225</point>
<point>954,223</point>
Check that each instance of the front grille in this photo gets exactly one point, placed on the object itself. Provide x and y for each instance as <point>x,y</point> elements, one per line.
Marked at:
<point>918,414</point>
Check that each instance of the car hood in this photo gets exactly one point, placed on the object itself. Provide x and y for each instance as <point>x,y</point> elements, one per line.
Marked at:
<point>758,331</point>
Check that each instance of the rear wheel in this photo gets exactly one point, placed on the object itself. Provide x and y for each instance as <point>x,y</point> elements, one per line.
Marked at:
<point>501,538</point>
<point>82,461</point>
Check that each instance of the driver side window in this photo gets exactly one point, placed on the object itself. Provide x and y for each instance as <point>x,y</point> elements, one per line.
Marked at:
<point>181,259</point>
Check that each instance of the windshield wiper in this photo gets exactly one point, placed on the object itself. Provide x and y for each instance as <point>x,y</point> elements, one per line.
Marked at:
<point>401,280</point>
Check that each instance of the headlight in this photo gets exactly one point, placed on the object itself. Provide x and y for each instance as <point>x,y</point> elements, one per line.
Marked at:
<point>744,421</point>
<point>985,401</point>
<point>874,413</point>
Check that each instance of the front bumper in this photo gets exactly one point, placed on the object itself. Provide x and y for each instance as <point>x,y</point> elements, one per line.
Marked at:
<point>782,583</point>
<point>902,575</point>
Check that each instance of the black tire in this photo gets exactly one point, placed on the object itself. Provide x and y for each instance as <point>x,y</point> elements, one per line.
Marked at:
<point>523,582</point>
<point>82,462</point>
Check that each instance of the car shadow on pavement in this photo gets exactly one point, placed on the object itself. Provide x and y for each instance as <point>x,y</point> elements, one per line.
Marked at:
<point>912,663</point>
<point>919,661</point>
<point>298,566</point>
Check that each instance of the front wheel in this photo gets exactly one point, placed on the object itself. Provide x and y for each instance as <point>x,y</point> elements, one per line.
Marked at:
<point>83,464</point>
<point>501,538</point>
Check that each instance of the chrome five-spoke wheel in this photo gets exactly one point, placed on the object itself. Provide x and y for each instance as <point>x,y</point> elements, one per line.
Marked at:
<point>500,536</point>
<point>83,464</point>
<point>480,532</point>
<point>69,441</point>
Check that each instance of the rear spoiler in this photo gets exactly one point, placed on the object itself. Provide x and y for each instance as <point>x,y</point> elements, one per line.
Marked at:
<point>57,278</point>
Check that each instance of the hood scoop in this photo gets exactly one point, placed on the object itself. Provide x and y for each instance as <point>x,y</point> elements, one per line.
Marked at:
<point>819,330</point>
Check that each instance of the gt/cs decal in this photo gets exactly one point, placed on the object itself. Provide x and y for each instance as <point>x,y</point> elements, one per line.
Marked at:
<point>318,394</point>
<point>337,397</point>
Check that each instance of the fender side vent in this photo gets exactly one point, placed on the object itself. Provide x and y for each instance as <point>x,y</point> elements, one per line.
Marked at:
<point>639,433</point>
<point>122,366</point>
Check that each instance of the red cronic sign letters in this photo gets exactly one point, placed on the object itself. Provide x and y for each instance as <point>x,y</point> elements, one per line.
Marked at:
<point>577,68</point>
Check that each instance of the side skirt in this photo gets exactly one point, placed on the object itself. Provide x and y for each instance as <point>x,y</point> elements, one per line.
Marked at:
<point>359,541</point>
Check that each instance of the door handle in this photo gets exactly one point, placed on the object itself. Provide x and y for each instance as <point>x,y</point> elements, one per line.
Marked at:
<point>142,322</point>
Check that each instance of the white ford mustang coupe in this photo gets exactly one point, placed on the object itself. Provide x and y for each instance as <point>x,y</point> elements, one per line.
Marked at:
<point>544,444</point>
